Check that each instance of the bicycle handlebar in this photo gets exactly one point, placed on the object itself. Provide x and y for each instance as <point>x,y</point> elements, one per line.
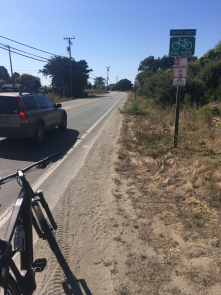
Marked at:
<point>44,161</point>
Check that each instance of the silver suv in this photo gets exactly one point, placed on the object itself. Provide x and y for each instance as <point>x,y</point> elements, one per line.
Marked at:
<point>29,115</point>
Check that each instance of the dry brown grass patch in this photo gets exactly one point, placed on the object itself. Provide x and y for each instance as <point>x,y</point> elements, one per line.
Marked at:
<point>178,189</point>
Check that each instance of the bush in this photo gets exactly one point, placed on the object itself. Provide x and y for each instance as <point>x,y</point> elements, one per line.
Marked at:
<point>2,82</point>
<point>134,110</point>
<point>211,73</point>
<point>113,88</point>
<point>205,114</point>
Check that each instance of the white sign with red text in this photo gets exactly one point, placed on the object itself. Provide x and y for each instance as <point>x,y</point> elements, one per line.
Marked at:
<point>180,68</point>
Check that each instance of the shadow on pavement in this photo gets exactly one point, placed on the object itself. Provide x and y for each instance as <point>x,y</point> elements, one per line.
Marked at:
<point>25,150</point>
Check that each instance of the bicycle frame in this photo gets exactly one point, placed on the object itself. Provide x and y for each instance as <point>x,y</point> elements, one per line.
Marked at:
<point>22,214</point>
<point>21,221</point>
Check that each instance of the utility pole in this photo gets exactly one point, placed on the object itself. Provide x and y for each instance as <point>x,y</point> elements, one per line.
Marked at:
<point>107,76</point>
<point>10,58</point>
<point>116,79</point>
<point>69,49</point>
<point>9,51</point>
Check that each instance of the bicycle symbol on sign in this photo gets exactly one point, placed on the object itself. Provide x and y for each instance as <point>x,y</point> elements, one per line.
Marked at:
<point>185,44</point>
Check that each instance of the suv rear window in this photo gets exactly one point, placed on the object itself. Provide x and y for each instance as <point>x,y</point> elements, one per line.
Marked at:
<point>30,102</point>
<point>9,105</point>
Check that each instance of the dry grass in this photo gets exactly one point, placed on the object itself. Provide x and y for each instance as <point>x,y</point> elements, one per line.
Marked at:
<point>179,198</point>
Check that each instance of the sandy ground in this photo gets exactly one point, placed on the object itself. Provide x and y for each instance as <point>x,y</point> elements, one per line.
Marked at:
<point>87,218</point>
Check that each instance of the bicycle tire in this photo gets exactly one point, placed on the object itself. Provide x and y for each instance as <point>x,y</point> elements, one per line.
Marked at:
<point>188,45</point>
<point>12,288</point>
<point>176,46</point>
<point>48,234</point>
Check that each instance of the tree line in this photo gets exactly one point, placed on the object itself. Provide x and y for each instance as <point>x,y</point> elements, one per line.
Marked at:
<point>58,69</point>
<point>203,82</point>
<point>99,84</point>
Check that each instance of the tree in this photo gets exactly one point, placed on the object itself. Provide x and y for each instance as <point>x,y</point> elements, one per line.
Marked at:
<point>99,81</point>
<point>4,74</point>
<point>14,76</point>
<point>88,86</point>
<point>2,82</point>
<point>29,81</point>
<point>150,64</point>
<point>166,62</point>
<point>124,85</point>
<point>114,87</point>
<point>141,77</point>
<point>100,87</point>
<point>58,68</point>
<point>212,54</point>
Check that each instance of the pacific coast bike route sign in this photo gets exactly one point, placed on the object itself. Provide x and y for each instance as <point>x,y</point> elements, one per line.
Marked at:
<point>182,46</point>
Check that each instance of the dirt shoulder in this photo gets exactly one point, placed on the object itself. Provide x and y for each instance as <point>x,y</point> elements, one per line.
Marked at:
<point>134,223</point>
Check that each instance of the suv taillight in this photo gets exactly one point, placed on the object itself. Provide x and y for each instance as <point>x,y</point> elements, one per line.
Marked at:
<point>23,115</point>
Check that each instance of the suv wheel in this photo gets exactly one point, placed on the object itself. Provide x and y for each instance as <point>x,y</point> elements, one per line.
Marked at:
<point>40,134</point>
<point>63,124</point>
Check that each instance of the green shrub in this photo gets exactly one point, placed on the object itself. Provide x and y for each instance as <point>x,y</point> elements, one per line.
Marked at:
<point>172,122</point>
<point>205,114</point>
<point>134,110</point>
<point>2,82</point>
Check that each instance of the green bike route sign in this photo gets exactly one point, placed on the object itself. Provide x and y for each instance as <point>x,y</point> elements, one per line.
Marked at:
<point>182,46</point>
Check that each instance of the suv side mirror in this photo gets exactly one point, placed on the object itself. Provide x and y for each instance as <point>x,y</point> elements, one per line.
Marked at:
<point>58,105</point>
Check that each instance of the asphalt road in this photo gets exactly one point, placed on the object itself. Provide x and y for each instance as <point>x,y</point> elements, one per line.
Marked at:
<point>86,120</point>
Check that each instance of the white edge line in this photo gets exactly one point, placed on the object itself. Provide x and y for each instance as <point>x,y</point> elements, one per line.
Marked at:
<point>89,130</point>
<point>6,215</point>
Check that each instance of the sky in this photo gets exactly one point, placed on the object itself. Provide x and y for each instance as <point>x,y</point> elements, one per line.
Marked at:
<point>118,34</point>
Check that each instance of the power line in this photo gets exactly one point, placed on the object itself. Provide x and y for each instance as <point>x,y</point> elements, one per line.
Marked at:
<point>31,53</point>
<point>28,53</point>
<point>24,51</point>
<point>28,46</point>
<point>61,63</point>
<point>93,75</point>
<point>24,55</point>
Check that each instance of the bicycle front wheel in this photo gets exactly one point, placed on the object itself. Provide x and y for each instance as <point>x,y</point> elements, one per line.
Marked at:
<point>188,45</point>
<point>49,235</point>
<point>12,288</point>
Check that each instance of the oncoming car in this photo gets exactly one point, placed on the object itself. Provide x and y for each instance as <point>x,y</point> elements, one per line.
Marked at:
<point>29,115</point>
